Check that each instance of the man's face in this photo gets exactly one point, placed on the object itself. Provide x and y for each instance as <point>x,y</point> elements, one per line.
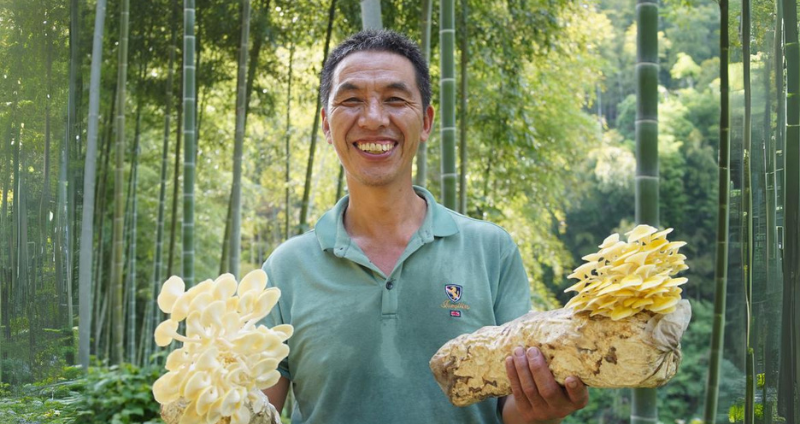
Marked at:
<point>375,119</point>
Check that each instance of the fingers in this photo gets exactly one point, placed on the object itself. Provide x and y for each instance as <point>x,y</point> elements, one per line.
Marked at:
<point>578,392</point>
<point>521,399</point>
<point>550,391</point>
<point>537,395</point>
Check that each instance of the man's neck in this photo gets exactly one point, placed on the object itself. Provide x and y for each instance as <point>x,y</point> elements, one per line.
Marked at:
<point>391,213</point>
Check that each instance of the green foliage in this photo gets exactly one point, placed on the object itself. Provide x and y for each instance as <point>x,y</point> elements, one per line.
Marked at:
<point>117,395</point>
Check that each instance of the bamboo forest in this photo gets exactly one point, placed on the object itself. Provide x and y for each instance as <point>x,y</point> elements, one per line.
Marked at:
<point>141,140</point>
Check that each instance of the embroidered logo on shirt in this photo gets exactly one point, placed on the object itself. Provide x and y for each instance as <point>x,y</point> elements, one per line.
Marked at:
<point>453,302</point>
<point>453,292</point>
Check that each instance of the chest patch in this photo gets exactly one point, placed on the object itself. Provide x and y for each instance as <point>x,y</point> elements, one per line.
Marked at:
<point>453,294</point>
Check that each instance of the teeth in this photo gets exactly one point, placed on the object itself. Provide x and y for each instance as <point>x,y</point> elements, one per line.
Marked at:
<point>374,147</point>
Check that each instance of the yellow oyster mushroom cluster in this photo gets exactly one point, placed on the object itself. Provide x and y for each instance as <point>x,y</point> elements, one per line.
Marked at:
<point>624,278</point>
<point>226,358</point>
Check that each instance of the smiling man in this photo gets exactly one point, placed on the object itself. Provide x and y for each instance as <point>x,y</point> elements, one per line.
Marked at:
<point>388,275</point>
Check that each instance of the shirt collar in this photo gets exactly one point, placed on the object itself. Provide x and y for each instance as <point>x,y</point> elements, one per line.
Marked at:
<point>331,233</point>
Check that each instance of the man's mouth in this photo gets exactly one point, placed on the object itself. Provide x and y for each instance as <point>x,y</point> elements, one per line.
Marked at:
<point>375,148</point>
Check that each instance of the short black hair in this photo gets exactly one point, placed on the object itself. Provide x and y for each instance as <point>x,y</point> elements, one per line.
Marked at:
<point>377,40</point>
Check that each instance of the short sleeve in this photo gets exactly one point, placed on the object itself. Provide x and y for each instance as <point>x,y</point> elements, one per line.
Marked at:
<point>513,290</point>
<point>274,318</point>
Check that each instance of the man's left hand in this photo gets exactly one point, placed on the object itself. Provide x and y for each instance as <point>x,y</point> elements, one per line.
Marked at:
<point>536,396</point>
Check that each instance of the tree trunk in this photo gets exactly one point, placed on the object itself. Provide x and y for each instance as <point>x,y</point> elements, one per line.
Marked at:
<point>6,258</point>
<point>721,256</point>
<point>85,270</point>
<point>173,235</point>
<point>238,144</point>
<point>448,101</point>
<point>44,204</point>
<point>644,405</point>
<point>462,150</point>
<point>152,314</point>
<point>314,129</point>
<point>224,262</point>
<point>118,322</point>
<point>189,115</point>
<point>789,387</point>
<point>101,290</point>
<point>288,138</point>
<point>371,14</point>
<point>422,150</point>
<point>131,349</point>
<point>747,218</point>
<point>769,321</point>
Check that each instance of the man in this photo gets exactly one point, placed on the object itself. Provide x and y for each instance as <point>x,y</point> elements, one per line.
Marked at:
<point>388,275</point>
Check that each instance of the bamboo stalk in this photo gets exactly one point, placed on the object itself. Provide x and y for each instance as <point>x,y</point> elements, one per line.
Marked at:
<point>644,403</point>
<point>447,94</point>
<point>189,136</point>
<point>790,372</point>
<point>303,225</point>
<point>421,177</point>
<point>238,145</point>
<point>721,255</point>
<point>747,218</point>
<point>85,270</point>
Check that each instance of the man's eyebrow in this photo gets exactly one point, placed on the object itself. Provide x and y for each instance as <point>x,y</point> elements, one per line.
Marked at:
<point>399,85</point>
<point>349,86</point>
<point>346,86</point>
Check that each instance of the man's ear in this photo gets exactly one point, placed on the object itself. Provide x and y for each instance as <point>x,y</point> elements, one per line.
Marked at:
<point>326,127</point>
<point>427,123</point>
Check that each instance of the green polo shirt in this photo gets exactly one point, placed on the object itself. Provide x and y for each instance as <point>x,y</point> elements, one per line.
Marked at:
<point>362,340</point>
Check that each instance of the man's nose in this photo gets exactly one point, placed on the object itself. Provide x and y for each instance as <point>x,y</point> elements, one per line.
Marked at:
<point>374,115</point>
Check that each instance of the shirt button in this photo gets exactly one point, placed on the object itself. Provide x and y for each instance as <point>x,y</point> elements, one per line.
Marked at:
<point>389,285</point>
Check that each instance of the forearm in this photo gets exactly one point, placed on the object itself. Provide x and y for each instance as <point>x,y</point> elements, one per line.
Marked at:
<point>511,414</point>
<point>277,393</point>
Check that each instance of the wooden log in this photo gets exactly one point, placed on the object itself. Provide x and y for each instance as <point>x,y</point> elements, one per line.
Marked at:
<point>639,351</point>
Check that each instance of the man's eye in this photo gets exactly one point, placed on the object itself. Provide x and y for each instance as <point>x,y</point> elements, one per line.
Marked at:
<point>395,100</point>
<point>351,101</point>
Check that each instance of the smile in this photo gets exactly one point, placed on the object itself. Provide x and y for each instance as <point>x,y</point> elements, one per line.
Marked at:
<point>375,148</point>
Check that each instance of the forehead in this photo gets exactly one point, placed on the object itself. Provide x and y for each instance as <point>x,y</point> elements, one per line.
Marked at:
<point>378,67</point>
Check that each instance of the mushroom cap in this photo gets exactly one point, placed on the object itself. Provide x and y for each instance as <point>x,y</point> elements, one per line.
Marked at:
<point>176,359</point>
<point>284,331</point>
<point>206,286</point>
<point>265,302</point>
<point>232,400</point>
<point>255,280</point>
<point>171,290</point>
<point>640,232</point>
<point>240,416</point>
<point>212,314</point>
<point>165,332</point>
<point>181,307</point>
<point>268,380</point>
<point>196,383</point>
<point>201,301</point>
<point>224,287</point>
<point>207,361</point>
<point>164,388</point>
<point>205,399</point>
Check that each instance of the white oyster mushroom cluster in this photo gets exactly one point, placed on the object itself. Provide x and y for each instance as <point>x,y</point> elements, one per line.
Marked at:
<point>226,359</point>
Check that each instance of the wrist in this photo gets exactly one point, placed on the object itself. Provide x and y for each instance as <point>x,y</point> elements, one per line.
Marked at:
<point>511,414</point>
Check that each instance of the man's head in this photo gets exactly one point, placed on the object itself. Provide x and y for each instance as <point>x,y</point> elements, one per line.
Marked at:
<point>379,41</point>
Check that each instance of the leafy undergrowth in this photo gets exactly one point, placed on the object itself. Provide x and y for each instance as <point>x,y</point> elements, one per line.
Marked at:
<point>34,410</point>
<point>116,395</point>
